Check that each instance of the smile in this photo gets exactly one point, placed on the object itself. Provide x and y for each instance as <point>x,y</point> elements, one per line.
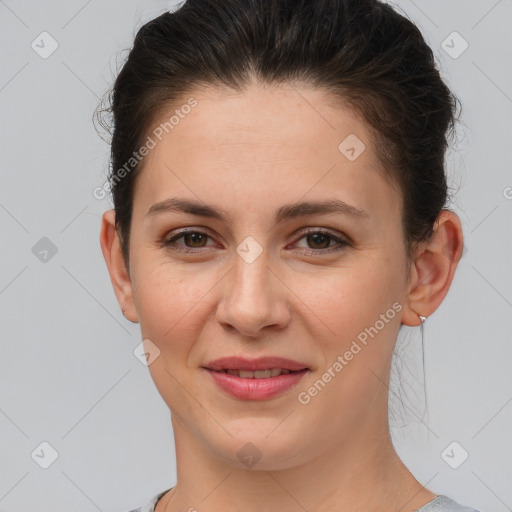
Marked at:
<point>260,374</point>
<point>256,385</point>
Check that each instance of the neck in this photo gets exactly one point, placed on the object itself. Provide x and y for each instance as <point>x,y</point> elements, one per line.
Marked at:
<point>359,473</point>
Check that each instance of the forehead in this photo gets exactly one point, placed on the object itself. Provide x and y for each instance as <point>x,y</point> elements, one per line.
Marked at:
<point>285,114</point>
<point>268,141</point>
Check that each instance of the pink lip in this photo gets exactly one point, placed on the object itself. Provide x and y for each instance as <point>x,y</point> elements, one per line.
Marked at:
<point>261,363</point>
<point>256,389</point>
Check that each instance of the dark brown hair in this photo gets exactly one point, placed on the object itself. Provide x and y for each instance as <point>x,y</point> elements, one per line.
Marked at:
<point>363,52</point>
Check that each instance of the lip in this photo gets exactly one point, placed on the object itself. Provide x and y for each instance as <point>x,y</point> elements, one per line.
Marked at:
<point>256,389</point>
<point>261,363</point>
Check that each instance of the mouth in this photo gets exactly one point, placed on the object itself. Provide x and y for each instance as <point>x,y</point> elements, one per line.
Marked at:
<point>262,367</point>
<point>256,379</point>
<point>260,374</point>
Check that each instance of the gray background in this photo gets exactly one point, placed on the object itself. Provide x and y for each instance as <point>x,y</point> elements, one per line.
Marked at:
<point>68,375</point>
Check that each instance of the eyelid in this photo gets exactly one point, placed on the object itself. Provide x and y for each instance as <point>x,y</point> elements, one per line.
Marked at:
<point>176,236</point>
<point>341,241</point>
<point>311,231</point>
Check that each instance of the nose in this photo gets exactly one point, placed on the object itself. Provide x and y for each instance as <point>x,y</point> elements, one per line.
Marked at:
<point>253,298</point>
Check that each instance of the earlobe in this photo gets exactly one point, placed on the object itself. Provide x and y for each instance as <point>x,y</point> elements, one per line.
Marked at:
<point>119,275</point>
<point>433,268</point>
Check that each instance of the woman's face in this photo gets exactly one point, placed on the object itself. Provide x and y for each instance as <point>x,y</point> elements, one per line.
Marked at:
<point>250,286</point>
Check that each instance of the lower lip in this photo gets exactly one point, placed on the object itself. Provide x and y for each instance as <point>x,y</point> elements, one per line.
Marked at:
<point>256,389</point>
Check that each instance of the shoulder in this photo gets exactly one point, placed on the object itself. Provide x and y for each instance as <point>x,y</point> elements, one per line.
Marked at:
<point>150,505</point>
<point>443,503</point>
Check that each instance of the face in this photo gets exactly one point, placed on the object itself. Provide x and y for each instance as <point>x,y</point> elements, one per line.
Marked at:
<point>321,288</point>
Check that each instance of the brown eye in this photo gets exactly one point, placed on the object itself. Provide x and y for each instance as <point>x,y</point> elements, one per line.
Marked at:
<point>319,240</point>
<point>195,238</point>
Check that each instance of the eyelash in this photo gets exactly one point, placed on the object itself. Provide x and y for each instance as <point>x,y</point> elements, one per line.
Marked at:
<point>311,252</point>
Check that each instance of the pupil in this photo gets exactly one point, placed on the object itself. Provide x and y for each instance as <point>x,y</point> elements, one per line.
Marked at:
<point>196,237</point>
<point>319,236</point>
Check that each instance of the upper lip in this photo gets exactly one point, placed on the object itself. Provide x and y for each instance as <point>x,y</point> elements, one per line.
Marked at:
<point>261,363</point>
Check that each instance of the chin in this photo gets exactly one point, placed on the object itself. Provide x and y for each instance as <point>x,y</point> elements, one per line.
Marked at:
<point>260,451</point>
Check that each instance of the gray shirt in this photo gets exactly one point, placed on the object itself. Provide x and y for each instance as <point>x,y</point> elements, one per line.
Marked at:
<point>439,504</point>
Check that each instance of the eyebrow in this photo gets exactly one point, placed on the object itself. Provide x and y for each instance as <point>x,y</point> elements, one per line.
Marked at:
<point>286,212</point>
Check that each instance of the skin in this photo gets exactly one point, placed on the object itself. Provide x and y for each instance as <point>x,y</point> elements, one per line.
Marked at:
<point>250,154</point>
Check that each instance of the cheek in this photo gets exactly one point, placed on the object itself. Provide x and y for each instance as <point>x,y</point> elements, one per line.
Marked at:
<point>168,303</point>
<point>169,298</point>
<point>345,302</point>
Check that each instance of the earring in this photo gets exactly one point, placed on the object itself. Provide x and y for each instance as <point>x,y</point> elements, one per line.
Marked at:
<point>422,329</point>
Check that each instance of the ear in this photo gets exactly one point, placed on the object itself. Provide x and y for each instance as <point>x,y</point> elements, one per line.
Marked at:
<point>119,274</point>
<point>434,266</point>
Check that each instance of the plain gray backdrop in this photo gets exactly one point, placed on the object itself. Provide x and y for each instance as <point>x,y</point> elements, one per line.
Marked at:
<point>74,397</point>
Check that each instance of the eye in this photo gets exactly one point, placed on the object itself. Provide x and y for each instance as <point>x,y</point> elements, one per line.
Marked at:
<point>193,239</point>
<point>321,241</point>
